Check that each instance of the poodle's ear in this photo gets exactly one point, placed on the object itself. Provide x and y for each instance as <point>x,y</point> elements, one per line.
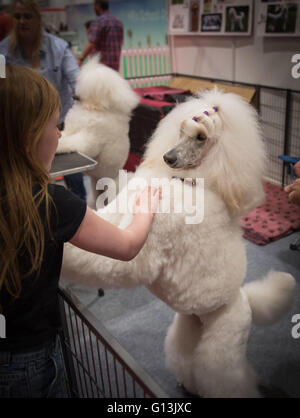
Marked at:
<point>236,163</point>
<point>240,198</point>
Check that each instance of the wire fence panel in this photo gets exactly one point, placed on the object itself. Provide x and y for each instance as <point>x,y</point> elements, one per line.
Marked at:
<point>97,365</point>
<point>272,117</point>
<point>294,134</point>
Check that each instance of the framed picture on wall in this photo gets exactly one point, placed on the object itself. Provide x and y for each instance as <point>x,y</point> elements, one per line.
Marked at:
<point>211,17</point>
<point>279,18</point>
<point>211,22</point>
<point>179,16</point>
<point>226,17</point>
<point>237,19</point>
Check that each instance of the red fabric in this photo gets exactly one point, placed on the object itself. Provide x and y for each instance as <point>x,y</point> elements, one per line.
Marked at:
<point>158,92</point>
<point>133,162</point>
<point>274,219</point>
<point>6,25</point>
<point>155,103</point>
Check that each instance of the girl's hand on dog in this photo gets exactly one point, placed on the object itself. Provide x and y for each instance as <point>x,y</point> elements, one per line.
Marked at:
<point>297,168</point>
<point>294,189</point>
<point>147,200</point>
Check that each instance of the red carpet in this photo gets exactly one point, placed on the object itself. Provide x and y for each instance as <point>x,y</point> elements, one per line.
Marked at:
<point>274,219</point>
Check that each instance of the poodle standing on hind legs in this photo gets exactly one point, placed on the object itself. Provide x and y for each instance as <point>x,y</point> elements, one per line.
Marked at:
<point>198,268</point>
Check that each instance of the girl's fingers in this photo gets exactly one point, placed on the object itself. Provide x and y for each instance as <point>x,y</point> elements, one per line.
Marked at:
<point>288,188</point>
<point>147,200</point>
<point>292,196</point>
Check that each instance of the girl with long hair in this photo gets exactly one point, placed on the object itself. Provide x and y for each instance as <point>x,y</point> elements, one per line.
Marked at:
<point>36,218</point>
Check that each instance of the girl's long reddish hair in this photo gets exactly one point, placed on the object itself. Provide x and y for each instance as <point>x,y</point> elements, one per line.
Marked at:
<point>27,102</point>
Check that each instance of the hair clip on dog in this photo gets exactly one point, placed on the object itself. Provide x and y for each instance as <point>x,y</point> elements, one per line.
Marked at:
<point>196,119</point>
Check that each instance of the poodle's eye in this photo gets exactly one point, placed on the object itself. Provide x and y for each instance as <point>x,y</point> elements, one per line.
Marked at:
<point>201,137</point>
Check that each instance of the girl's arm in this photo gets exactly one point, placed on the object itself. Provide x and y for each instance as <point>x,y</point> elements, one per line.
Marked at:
<point>99,236</point>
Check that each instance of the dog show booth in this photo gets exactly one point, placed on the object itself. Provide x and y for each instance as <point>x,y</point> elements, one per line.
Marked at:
<point>114,340</point>
<point>233,46</point>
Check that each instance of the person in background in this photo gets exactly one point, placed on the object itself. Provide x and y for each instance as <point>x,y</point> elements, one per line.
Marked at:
<point>105,36</point>
<point>88,26</point>
<point>6,23</point>
<point>36,219</point>
<point>29,45</point>
<point>87,30</point>
<point>294,189</point>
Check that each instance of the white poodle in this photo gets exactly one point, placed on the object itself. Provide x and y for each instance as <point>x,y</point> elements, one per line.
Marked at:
<point>98,123</point>
<point>198,268</point>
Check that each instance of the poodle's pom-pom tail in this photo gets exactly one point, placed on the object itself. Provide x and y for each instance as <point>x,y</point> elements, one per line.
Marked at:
<point>271,297</point>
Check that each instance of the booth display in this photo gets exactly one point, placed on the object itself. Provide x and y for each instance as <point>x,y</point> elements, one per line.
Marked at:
<point>97,365</point>
<point>279,18</point>
<point>211,17</point>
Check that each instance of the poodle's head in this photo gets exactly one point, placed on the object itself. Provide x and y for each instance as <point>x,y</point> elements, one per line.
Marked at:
<point>99,87</point>
<point>215,136</point>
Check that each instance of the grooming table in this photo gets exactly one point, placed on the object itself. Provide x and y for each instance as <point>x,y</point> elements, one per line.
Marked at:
<point>71,163</point>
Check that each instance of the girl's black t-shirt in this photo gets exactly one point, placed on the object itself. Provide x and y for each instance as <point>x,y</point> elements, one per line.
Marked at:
<point>34,318</point>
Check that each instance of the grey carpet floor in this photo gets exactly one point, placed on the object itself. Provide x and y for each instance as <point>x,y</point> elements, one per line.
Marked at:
<point>139,322</point>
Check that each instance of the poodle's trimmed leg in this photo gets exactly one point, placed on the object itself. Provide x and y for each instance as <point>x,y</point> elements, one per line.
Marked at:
<point>182,338</point>
<point>220,365</point>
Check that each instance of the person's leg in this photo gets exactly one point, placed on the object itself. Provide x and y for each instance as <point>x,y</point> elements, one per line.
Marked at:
<point>34,374</point>
<point>75,183</point>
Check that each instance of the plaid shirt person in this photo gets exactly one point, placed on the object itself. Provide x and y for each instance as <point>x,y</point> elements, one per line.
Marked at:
<point>106,32</point>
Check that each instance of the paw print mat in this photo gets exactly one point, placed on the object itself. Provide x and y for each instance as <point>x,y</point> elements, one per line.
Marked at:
<point>274,219</point>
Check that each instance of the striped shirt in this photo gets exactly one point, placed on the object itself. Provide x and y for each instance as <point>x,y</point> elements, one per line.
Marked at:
<point>106,32</point>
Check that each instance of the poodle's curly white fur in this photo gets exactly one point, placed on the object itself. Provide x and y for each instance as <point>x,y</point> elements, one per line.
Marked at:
<point>98,123</point>
<point>198,270</point>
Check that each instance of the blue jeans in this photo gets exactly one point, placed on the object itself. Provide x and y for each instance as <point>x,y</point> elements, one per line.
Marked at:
<point>34,374</point>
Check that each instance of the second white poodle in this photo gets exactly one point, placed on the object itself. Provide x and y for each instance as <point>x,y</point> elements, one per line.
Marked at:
<point>98,123</point>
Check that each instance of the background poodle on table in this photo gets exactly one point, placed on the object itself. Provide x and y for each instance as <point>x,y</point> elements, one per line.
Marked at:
<point>198,269</point>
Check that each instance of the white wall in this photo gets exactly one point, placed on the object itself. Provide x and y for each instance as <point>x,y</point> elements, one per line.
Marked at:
<point>265,61</point>
<point>253,59</point>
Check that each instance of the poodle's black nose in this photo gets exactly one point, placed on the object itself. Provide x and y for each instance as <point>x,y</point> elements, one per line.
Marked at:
<point>170,158</point>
